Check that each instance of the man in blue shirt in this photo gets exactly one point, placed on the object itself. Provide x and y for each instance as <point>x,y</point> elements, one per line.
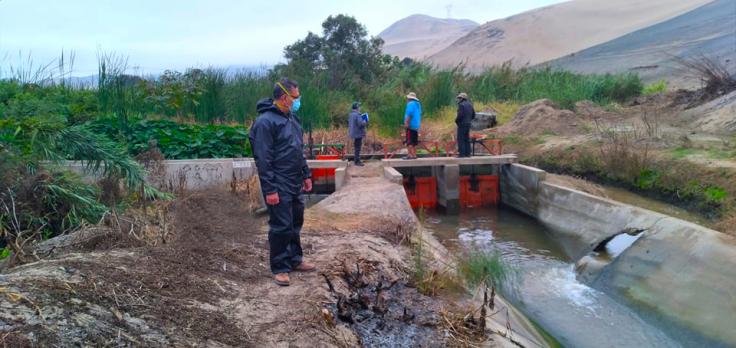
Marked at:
<point>412,121</point>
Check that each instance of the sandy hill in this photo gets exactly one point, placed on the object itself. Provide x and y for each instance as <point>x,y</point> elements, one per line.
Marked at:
<point>554,31</point>
<point>420,36</point>
<point>709,31</point>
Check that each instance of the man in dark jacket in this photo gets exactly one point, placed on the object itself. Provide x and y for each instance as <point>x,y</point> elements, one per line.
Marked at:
<point>465,116</point>
<point>356,130</point>
<point>277,140</point>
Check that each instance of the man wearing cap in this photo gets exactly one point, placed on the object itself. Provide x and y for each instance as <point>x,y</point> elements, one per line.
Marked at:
<point>412,121</point>
<point>277,140</point>
<point>356,130</point>
<point>465,116</point>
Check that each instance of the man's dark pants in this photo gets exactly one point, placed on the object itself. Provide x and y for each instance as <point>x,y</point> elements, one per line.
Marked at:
<point>358,145</point>
<point>463,140</point>
<point>284,239</point>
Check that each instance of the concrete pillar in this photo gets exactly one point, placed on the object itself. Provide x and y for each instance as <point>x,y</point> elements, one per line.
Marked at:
<point>392,175</point>
<point>448,187</point>
<point>340,177</point>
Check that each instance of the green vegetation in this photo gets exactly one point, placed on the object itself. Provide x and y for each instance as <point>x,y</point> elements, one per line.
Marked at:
<point>709,153</point>
<point>483,268</point>
<point>715,194</point>
<point>563,87</point>
<point>682,152</point>
<point>657,87</point>
<point>711,191</point>
<point>4,253</point>
<point>646,179</point>
<point>177,140</point>
<point>39,197</point>
<point>41,126</point>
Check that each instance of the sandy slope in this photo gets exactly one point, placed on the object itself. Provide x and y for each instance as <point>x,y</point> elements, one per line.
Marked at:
<point>551,32</point>
<point>420,36</point>
<point>709,30</point>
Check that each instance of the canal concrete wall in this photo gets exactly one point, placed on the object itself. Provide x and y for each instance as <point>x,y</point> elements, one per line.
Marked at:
<point>200,174</point>
<point>189,175</point>
<point>678,272</point>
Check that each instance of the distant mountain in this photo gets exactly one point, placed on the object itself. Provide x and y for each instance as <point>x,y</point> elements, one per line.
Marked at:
<point>554,31</point>
<point>231,71</point>
<point>89,81</point>
<point>420,36</point>
<point>708,31</point>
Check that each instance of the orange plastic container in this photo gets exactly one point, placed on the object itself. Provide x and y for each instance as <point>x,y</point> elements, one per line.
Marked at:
<point>424,192</point>
<point>318,173</point>
<point>487,192</point>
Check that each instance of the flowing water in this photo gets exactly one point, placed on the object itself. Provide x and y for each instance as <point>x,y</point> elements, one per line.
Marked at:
<point>545,286</point>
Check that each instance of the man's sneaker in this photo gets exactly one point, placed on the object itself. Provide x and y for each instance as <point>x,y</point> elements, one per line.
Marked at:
<point>304,267</point>
<point>408,158</point>
<point>359,164</point>
<point>281,279</point>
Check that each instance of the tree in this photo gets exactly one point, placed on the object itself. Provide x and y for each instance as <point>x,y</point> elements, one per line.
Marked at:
<point>344,52</point>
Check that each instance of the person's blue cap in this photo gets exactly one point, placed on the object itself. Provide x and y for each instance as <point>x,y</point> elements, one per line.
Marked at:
<point>356,105</point>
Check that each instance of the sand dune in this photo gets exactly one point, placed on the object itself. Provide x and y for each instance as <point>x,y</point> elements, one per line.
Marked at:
<point>554,31</point>
<point>709,30</point>
<point>420,36</point>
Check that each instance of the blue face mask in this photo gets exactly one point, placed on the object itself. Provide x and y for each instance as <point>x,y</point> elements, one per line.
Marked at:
<point>296,104</point>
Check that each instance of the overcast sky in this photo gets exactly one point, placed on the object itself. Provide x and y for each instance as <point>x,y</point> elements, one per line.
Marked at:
<point>164,34</point>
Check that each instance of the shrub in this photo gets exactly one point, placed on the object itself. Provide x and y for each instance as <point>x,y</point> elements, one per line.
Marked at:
<point>656,87</point>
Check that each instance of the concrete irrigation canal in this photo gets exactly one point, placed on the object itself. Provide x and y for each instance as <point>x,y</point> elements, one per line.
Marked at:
<point>585,271</point>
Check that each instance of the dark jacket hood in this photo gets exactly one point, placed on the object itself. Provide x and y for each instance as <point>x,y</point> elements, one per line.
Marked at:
<point>265,105</point>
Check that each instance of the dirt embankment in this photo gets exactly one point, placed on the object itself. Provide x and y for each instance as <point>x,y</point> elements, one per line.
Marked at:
<point>201,278</point>
<point>543,117</point>
<point>104,287</point>
<point>677,147</point>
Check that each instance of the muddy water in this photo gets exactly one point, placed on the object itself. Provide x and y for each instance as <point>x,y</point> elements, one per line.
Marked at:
<point>544,281</point>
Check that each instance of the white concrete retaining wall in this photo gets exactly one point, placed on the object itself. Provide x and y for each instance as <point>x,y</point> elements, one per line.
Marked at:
<point>206,173</point>
<point>198,174</point>
<point>195,174</point>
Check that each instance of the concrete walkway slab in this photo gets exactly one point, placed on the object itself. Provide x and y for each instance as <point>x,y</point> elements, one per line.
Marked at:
<point>441,161</point>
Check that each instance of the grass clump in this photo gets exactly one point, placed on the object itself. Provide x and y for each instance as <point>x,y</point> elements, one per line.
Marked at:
<point>654,88</point>
<point>480,267</point>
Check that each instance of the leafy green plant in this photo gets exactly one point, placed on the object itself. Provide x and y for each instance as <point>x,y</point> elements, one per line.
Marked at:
<point>178,140</point>
<point>647,178</point>
<point>715,194</point>
<point>4,253</point>
<point>656,87</point>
